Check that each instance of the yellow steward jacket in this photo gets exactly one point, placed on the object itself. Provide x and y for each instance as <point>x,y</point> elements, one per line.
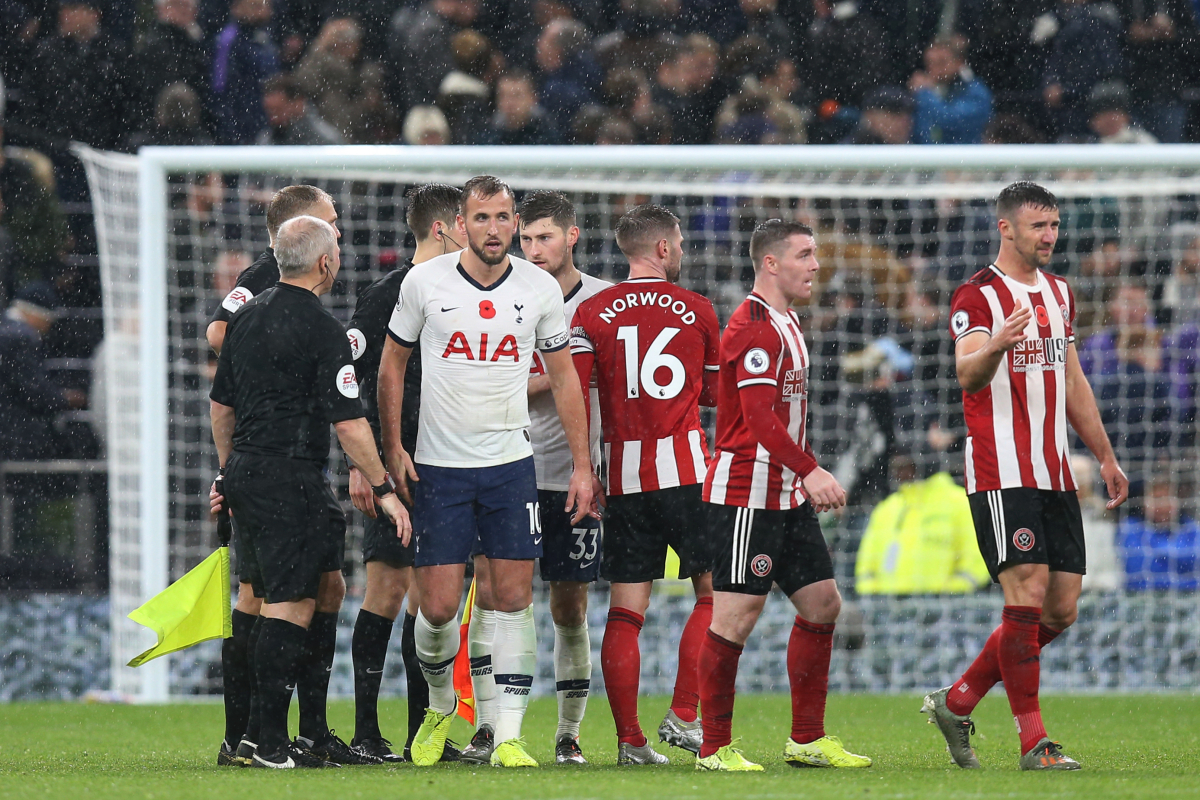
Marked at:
<point>921,540</point>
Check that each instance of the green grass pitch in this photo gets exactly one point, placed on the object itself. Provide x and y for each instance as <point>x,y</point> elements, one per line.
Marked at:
<point>1130,746</point>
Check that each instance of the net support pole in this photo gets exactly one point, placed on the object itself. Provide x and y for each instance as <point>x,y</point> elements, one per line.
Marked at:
<point>152,344</point>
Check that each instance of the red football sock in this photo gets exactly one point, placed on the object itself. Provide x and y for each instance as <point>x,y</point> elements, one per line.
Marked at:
<point>718,664</point>
<point>687,680</point>
<point>809,649</point>
<point>622,664</point>
<point>980,677</point>
<point>1020,667</point>
<point>1046,634</point>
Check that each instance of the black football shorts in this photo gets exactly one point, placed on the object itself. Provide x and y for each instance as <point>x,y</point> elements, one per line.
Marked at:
<point>1029,526</point>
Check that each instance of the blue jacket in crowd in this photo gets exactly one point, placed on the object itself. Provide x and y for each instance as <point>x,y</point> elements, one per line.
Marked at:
<point>1158,558</point>
<point>956,114</point>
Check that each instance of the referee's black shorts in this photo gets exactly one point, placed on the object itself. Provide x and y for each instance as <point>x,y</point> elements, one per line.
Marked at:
<point>291,527</point>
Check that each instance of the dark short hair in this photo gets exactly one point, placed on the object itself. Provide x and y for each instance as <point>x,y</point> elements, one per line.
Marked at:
<point>292,201</point>
<point>770,233</point>
<point>483,187</point>
<point>284,83</point>
<point>643,225</point>
<point>430,203</point>
<point>1024,193</point>
<point>542,204</point>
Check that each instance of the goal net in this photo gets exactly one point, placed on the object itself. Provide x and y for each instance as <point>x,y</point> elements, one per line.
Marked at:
<point>898,228</point>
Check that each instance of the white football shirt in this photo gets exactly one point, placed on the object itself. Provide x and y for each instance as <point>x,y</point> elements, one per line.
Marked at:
<point>477,345</point>
<point>551,454</point>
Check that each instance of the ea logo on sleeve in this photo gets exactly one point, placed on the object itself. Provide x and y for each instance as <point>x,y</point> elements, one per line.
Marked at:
<point>347,382</point>
<point>959,322</point>
<point>237,298</point>
<point>1023,540</point>
<point>756,361</point>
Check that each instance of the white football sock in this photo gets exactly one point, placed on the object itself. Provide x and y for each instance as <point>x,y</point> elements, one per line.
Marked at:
<point>480,633</point>
<point>437,645</point>
<point>515,658</point>
<point>572,676</point>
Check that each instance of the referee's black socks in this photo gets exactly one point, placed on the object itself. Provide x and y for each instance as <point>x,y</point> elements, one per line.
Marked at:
<point>369,649</point>
<point>418,689</point>
<point>277,661</point>
<point>312,684</point>
<point>237,677</point>
<point>252,733</point>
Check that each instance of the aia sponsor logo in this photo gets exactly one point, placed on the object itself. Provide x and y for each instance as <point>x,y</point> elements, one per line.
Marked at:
<point>761,565</point>
<point>462,349</point>
<point>1023,540</point>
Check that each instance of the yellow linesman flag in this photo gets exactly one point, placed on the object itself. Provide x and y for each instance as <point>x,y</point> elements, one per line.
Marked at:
<point>191,610</point>
<point>462,664</point>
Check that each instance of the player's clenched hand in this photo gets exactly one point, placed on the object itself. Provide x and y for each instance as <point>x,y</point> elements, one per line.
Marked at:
<point>398,514</point>
<point>1013,331</point>
<point>1117,483</point>
<point>580,495</point>
<point>823,490</point>
<point>360,493</point>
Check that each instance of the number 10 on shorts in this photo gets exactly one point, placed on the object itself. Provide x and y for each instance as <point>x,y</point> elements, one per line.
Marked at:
<point>535,522</point>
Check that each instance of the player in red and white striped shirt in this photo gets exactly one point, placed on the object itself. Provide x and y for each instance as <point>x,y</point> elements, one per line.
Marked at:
<point>654,346</point>
<point>762,486</point>
<point>1022,384</point>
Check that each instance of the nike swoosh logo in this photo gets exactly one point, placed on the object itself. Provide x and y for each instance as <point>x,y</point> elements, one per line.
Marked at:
<point>538,540</point>
<point>291,688</point>
<point>329,669</point>
<point>455,308</point>
<point>374,672</point>
<point>587,564</point>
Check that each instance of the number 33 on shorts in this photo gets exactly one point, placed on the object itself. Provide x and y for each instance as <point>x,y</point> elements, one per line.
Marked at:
<point>587,544</point>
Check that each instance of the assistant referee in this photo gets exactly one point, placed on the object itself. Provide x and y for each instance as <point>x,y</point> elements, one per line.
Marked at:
<point>285,373</point>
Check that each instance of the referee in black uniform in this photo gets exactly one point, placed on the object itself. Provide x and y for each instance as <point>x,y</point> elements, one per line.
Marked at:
<point>430,215</point>
<point>285,373</point>
<point>241,729</point>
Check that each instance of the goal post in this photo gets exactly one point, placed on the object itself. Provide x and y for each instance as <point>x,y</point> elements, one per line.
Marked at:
<point>163,226</point>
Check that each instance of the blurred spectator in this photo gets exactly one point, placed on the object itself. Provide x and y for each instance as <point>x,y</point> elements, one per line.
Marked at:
<point>1099,527</point>
<point>77,87</point>
<point>570,76</point>
<point>29,398</point>
<point>687,87</point>
<point>756,116</point>
<point>627,92</point>
<point>1011,129</point>
<point>920,539</point>
<point>290,119</point>
<point>35,229</point>
<point>1160,48</point>
<point>1108,116</point>
<point>846,55</point>
<point>1181,290</point>
<point>1085,48</point>
<point>177,120</point>
<point>346,89</point>
<point>171,51</point>
<point>764,22</point>
<point>1159,546</point>
<point>887,118</point>
<point>587,123</point>
<point>519,119</point>
<point>244,58</point>
<point>1002,51</point>
<point>616,130</point>
<point>1099,272</point>
<point>419,48</point>
<point>1126,367</point>
<point>465,94</point>
<point>643,28</point>
<point>426,125</point>
<point>952,106</point>
<point>925,394</point>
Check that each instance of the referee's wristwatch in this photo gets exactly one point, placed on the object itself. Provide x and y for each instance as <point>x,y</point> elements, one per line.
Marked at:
<point>387,487</point>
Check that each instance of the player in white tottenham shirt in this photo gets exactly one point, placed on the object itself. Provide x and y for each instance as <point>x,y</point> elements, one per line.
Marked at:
<point>570,552</point>
<point>479,315</point>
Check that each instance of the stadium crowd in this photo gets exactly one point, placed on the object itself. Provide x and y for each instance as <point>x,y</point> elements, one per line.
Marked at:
<point>118,75</point>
